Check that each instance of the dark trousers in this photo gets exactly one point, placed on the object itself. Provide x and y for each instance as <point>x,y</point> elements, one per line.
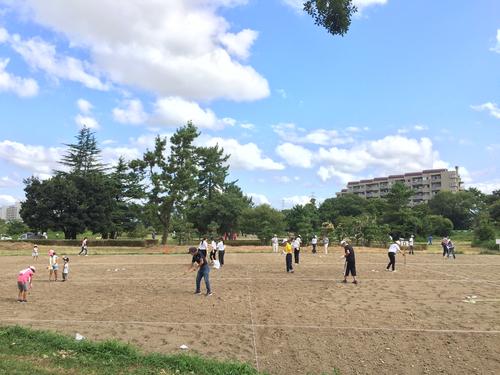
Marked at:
<point>296,253</point>
<point>392,260</point>
<point>350,268</point>
<point>213,255</point>
<point>445,250</point>
<point>221,257</point>
<point>83,250</point>
<point>203,274</point>
<point>410,250</point>
<point>288,259</point>
<point>314,248</point>
<point>203,252</point>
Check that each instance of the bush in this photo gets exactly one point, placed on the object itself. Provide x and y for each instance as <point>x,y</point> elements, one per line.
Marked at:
<point>484,231</point>
<point>244,243</point>
<point>490,245</point>
<point>93,243</point>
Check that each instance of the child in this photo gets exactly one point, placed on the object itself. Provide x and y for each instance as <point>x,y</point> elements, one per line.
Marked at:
<point>65,268</point>
<point>35,252</point>
<point>84,247</point>
<point>53,264</point>
<point>24,282</point>
<point>288,256</point>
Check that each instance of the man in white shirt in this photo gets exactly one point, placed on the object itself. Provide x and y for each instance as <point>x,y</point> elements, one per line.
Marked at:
<point>296,249</point>
<point>410,245</point>
<point>393,250</point>
<point>274,242</point>
<point>314,243</point>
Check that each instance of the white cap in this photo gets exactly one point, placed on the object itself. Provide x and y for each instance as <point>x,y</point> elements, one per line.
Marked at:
<point>33,268</point>
<point>343,242</point>
<point>398,242</point>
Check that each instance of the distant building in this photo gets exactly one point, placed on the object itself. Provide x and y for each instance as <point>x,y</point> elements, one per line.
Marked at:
<point>425,184</point>
<point>10,213</point>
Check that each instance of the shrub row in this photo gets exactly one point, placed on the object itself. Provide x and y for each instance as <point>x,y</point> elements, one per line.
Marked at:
<point>490,245</point>
<point>92,243</point>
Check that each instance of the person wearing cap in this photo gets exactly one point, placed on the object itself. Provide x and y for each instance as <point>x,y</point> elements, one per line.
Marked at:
<point>199,262</point>
<point>410,245</point>
<point>314,243</point>
<point>288,256</point>
<point>393,250</point>
<point>350,262</point>
<point>274,242</point>
<point>25,282</point>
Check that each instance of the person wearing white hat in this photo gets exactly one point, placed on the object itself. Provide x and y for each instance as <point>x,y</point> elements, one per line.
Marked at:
<point>296,249</point>
<point>350,262</point>
<point>274,242</point>
<point>393,250</point>
<point>25,282</point>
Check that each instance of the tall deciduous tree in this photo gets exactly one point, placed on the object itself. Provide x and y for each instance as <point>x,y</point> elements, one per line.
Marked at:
<point>171,181</point>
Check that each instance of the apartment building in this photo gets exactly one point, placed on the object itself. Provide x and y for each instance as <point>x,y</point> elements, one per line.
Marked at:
<point>425,184</point>
<point>10,213</point>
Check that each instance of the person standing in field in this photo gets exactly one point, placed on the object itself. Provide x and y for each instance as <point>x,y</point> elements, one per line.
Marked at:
<point>203,246</point>
<point>444,245</point>
<point>53,265</point>
<point>84,248</point>
<point>65,272</point>
<point>314,243</point>
<point>350,261</point>
<point>429,240</point>
<point>393,250</point>
<point>199,262</point>
<point>213,251</point>
<point>221,250</point>
<point>296,249</point>
<point>326,242</point>
<point>410,245</point>
<point>451,248</point>
<point>34,253</point>
<point>288,256</point>
<point>25,282</point>
<point>274,242</point>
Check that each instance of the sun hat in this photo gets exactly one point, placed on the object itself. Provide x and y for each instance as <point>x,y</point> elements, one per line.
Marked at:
<point>33,268</point>
<point>192,250</point>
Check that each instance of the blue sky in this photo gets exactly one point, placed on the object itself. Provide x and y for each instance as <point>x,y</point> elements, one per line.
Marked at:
<point>413,85</point>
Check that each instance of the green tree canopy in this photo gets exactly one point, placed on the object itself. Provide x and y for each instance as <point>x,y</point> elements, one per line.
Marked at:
<point>334,15</point>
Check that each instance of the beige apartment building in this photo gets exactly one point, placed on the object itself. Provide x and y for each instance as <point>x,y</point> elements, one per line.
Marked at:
<point>425,184</point>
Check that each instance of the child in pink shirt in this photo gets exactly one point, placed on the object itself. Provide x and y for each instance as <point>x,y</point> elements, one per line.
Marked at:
<point>24,282</point>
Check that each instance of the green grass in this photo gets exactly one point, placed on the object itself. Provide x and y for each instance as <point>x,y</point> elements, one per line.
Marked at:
<point>26,351</point>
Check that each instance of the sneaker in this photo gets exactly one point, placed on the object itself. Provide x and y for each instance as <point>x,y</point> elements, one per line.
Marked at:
<point>394,271</point>
<point>19,300</point>
<point>197,293</point>
<point>24,301</point>
<point>355,282</point>
<point>344,281</point>
<point>291,271</point>
<point>209,294</point>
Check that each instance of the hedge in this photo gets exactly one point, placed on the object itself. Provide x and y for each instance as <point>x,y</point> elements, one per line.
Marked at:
<point>91,243</point>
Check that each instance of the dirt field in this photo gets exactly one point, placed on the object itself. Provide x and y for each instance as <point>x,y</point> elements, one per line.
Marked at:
<point>414,321</point>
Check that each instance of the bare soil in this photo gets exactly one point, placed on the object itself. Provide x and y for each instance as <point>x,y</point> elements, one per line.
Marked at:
<point>414,321</point>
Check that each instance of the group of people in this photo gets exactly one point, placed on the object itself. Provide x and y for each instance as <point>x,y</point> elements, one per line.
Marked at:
<point>199,261</point>
<point>448,248</point>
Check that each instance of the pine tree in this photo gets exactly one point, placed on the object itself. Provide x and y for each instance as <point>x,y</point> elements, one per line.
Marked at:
<point>83,157</point>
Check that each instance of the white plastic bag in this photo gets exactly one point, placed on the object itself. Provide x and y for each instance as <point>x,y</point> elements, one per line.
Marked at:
<point>216,264</point>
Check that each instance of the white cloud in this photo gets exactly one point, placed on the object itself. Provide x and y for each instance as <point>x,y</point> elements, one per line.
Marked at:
<point>175,111</point>
<point>4,35</point>
<point>245,156</point>
<point>296,200</point>
<point>169,47</point>
<point>420,127</point>
<point>326,173</point>
<point>7,200</point>
<point>84,106</point>
<point>131,112</point>
<point>295,155</point>
<point>391,154</point>
<point>8,182</point>
<point>486,187</point>
<point>239,44</point>
<point>43,56</point>
<point>36,159</point>
<point>289,132</point>
<point>258,199</point>
<point>87,121</point>
<point>110,155</point>
<point>23,87</point>
<point>497,46</point>
<point>283,179</point>
<point>247,126</point>
<point>492,108</point>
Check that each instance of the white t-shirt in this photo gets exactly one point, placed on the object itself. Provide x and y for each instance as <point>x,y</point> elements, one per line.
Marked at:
<point>410,242</point>
<point>66,268</point>
<point>394,248</point>
<point>326,241</point>
<point>296,243</point>
<point>203,245</point>
<point>274,240</point>
<point>213,245</point>
<point>220,246</point>
<point>314,241</point>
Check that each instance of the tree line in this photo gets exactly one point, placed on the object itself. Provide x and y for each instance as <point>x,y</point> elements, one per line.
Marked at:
<point>182,189</point>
